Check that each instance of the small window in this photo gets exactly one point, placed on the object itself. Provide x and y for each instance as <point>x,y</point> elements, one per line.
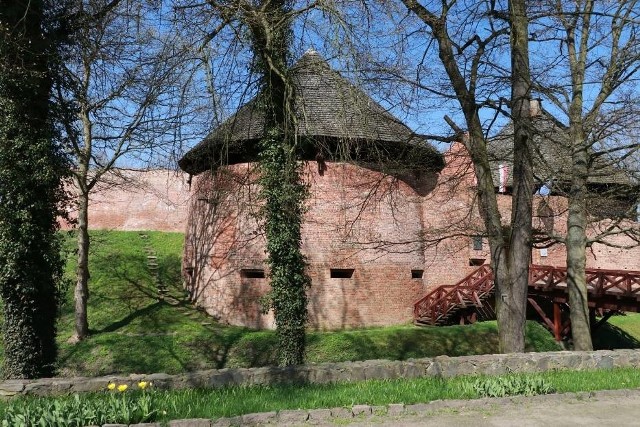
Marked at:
<point>252,273</point>
<point>341,273</point>
<point>417,274</point>
<point>476,262</point>
<point>477,243</point>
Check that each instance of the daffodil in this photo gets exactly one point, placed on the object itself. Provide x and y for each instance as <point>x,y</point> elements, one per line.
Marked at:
<point>143,384</point>
<point>111,386</point>
<point>122,387</point>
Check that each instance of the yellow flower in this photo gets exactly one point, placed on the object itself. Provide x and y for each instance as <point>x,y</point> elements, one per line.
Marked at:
<point>143,384</point>
<point>111,386</point>
<point>122,387</point>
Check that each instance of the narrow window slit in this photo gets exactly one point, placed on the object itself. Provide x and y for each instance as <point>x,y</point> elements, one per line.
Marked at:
<point>252,273</point>
<point>341,273</point>
<point>417,274</point>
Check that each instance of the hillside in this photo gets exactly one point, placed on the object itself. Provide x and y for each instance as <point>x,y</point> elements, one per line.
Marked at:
<point>133,330</point>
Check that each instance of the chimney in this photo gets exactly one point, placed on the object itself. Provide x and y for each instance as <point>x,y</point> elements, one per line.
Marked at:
<point>503,174</point>
<point>535,107</point>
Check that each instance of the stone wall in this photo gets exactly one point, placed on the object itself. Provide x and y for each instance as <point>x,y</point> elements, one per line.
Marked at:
<point>441,366</point>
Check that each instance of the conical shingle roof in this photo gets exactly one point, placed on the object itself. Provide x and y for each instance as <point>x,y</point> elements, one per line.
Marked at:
<point>333,117</point>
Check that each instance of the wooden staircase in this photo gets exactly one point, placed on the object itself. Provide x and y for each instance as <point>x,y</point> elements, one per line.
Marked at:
<point>468,300</point>
<point>471,298</point>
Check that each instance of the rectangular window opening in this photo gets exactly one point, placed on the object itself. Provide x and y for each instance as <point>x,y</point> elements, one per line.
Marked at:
<point>417,274</point>
<point>341,273</point>
<point>252,273</point>
<point>477,243</point>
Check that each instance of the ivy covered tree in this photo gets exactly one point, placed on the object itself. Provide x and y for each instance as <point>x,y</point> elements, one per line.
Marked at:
<point>31,166</point>
<point>283,191</point>
<point>268,25</point>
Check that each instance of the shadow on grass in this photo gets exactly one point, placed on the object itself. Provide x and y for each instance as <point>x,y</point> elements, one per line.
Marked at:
<point>260,348</point>
<point>146,311</point>
<point>609,337</point>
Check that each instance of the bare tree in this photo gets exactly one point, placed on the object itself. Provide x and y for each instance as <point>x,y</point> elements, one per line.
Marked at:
<point>591,86</point>
<point>464,57</point>
<point>129,81</point>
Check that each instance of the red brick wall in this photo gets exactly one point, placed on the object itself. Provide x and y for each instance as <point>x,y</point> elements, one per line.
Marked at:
<point>143,200</point>
<point>349,226</point>
<point>381,227</point>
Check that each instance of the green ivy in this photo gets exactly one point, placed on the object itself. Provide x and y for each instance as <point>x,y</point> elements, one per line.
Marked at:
<point>31,167</point>
<point>282,189</point>
<point>284,196</point>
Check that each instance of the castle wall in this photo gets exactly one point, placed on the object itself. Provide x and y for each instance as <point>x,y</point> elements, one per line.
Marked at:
<point>138,200</point>
<point>357,220</point>
<point>401,237</point>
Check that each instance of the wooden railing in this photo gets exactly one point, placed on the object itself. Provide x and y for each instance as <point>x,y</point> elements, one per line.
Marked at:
<point>610,289</point>
<point>437,305</point>
<point>618,283</point>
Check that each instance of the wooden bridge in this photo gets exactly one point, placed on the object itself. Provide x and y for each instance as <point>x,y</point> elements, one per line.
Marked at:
<point>471,299</point>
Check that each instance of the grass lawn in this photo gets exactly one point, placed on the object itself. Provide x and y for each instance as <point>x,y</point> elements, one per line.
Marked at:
<point>133,331</point>
<point>227,402</point>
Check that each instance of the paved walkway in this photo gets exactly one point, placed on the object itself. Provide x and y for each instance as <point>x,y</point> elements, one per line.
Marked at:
<point>612,408</point>
<point>602,408</point>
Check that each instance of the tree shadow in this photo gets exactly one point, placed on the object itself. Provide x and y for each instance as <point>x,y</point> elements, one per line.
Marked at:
<point>609,337</point>
<point>129,318</point>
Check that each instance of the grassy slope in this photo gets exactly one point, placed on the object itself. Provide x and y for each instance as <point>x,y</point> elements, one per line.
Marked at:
<point>134,332</point>
<point>621,331</point>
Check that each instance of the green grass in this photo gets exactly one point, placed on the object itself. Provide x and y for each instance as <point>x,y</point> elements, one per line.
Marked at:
<point>235,401</point>
<point>133,332</point>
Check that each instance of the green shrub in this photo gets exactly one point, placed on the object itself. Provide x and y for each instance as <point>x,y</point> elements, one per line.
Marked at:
<point>73,411</point>
<point>510,385</point>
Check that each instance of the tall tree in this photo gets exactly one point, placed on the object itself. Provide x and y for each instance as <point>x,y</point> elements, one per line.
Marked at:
<point>128,79</point>
<point>269,26</point>
<point>31,167</point>
<point>590,84</point>
<point>283,191</point>
<point>523,185</point>
<point>464,61</point>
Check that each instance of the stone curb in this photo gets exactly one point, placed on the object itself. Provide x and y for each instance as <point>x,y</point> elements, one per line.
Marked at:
<point>441,366</point>
<point>364,412</point>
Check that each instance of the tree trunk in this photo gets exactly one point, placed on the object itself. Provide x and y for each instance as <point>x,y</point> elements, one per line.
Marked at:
<point>576,246</point>
<point>577,217</point>
<point>81,293</point>
<point>31,166</point>
<point>519,255</point>
<point>83,187</point>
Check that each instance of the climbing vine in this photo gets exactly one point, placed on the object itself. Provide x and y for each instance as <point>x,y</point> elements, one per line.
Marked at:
<point>282,189</point>
<point>284,196</point>
<point>30,187</point>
